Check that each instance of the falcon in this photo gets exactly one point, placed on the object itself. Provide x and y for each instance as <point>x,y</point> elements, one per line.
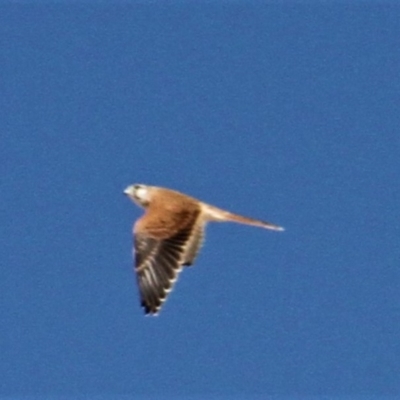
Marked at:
<point>168,237</point>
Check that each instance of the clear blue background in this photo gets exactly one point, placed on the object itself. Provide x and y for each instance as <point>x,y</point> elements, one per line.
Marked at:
<point>285,112</point>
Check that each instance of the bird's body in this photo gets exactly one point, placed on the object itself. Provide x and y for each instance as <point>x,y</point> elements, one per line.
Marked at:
<point>169,235</point>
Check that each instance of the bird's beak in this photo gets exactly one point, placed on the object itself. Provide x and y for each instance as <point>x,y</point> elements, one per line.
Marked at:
<point>128,191</point>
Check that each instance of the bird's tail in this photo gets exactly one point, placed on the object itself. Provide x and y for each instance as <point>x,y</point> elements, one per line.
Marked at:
<point>217,214</point>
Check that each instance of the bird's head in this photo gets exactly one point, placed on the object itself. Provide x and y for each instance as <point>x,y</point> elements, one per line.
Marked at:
<point>140,194</point>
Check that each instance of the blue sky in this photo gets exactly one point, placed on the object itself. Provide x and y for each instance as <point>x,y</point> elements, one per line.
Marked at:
<point>285,112</point>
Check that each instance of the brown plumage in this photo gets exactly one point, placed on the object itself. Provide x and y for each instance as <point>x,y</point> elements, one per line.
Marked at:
<point>168,237</point>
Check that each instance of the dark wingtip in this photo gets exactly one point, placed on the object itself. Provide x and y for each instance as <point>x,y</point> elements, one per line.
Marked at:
<point>149,311</point>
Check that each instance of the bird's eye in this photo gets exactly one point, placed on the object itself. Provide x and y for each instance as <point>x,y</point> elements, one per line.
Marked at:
<point>136,189</point>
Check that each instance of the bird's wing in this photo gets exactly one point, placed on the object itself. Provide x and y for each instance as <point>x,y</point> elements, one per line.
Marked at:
<point>159,261</point>
<point>194,243</point>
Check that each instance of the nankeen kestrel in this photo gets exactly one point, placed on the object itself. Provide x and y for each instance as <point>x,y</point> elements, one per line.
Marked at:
<point>168,237</point>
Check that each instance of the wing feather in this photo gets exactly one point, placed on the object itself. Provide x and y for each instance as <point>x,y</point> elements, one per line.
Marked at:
<point>194,244</point>
<point>158,263</point>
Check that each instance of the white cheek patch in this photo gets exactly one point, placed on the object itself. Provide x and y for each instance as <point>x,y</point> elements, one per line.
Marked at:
<point>141,193</point>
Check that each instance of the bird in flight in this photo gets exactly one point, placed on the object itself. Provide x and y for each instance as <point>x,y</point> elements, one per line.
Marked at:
<point>168,237</point>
